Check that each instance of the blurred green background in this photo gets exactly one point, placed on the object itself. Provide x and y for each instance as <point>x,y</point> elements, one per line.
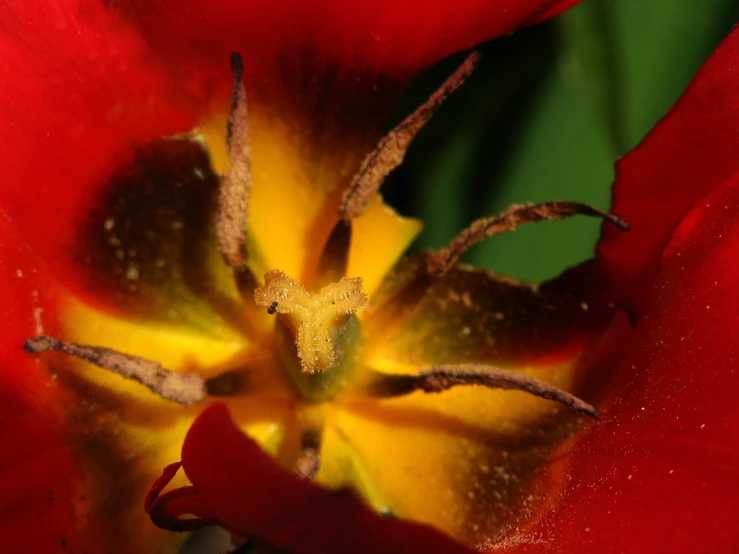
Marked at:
<point>545,117</point>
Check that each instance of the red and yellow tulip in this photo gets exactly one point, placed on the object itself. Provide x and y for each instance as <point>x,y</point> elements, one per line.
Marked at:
<point>113,120</point>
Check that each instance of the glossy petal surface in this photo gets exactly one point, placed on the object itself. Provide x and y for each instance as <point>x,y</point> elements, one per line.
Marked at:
<point>382,38</point>
<point>475,316</point>
<point>57,473</point>
<point>322,80</point>
<point>78,94</point>
<point>83,445</point>
<point>484,443</point>
<point>659,472</point>
<point>249,494</point>
<point>39,477</point>
<point>687,155</point>
<point>122,218</point>
<point>102,198</point>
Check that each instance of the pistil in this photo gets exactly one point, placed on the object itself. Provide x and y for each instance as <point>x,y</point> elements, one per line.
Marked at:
<point>317,318</point>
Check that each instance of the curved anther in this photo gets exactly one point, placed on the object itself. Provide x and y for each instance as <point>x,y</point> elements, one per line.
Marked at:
<point>235,186</point>
<point>444,377</point>
<point>186,389</point>
<point>309,461</point>
<point>390,151</point>
<point>443,260</point>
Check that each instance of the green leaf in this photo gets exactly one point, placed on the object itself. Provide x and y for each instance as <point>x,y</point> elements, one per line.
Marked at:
<point>663,43</point>
<point>594,64</point>
<point>562,153</point>
<point>545,117</point>
<point>633,59</point>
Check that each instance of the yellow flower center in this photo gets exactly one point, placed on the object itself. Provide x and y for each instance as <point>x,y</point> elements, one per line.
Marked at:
<point>335,378</point>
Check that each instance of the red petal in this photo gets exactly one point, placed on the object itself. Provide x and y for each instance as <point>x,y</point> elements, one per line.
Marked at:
<point>39,480</point>
<point>165,509</point>
<point>67,476</point>
<point>283,42</point>
<point>660,472</point>
<point>253,496</point>
<point>76,93</point>
<point>162,481</point>
<point>689,153</point>
<point>322,80</point>
<point>556,9</point>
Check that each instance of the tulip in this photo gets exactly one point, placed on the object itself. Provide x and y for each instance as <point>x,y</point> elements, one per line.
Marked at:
<point>128,139</point>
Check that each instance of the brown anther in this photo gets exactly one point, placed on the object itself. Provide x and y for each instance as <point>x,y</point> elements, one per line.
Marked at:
<point>444,377</point>
<point>309,461</point>
<point>390,151</point>
<point>272,310</point>
<point>442,261</point>
<point>233,382</point>
<point>185,389</point>
<point>235,186</point>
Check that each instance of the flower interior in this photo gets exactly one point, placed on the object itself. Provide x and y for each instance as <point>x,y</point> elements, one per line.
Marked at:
<point>432,390</point>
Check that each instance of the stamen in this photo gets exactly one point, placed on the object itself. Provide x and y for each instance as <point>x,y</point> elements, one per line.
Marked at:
<point>309,463</point>
<point>185,389</point>
<point>310,455</point>
<point>235,186</point>
<point>444,377</point>
<point>229,383</point>
<point>389,153</point>
<point>442,261</point>
<point>315,315</point>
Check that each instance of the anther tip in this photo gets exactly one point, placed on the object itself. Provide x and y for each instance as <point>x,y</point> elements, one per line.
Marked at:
<point>30,346</point>
<point>39,344</point>
<point>237,63</point>
<point>619,222</point>
<point>589,411</point>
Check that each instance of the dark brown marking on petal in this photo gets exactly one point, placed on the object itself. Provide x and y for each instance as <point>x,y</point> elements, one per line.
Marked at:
<point>235,187</point>
<point>442,261</point>
<point>184,389</point>
<point>334,259</point>
<point>383,318</point>
<point>444,377</point>
<point>229,383</point>
<point>473,316</point>
<point>246,283</point>
<point>390,151</point>
<point>147,248</point>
